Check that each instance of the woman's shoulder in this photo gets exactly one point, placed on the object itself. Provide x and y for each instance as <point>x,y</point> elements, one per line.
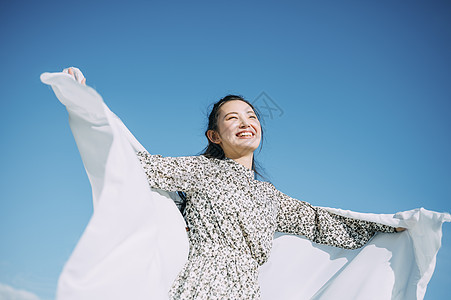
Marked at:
<point>270,188</point>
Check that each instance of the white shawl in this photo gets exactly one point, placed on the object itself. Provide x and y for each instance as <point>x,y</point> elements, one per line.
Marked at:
<point>135,243</point>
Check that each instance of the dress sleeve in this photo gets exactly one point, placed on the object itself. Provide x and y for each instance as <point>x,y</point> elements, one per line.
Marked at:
<point>171,173</point>
<point>320,226</point>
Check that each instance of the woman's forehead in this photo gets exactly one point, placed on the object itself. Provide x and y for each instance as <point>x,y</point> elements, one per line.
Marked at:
<point>235,106</point>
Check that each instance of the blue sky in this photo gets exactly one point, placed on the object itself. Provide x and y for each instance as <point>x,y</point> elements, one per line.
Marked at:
<point>361,92</point>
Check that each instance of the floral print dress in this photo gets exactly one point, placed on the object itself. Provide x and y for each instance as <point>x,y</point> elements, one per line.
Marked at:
<point>232,218</point>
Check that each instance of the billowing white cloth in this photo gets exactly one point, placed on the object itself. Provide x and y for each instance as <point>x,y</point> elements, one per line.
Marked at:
<point>135,243</point>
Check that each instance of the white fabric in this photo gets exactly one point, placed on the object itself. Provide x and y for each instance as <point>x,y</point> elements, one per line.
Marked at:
<point>135,242</point>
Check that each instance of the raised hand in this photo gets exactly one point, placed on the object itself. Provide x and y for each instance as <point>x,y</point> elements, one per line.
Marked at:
<point>76,73</point>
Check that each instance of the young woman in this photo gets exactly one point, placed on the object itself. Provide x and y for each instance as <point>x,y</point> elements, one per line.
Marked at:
<point>231,217</point>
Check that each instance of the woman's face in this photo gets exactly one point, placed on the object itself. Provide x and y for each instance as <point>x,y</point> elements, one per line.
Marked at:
<point>239,130</point>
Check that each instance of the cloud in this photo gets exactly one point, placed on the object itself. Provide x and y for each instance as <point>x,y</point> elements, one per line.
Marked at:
<point>9,293</point>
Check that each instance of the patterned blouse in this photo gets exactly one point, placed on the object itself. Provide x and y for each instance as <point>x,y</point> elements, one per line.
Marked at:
<point>232,219</point>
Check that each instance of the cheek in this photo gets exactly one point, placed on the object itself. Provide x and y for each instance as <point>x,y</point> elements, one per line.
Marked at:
<point>226,130</point>
<point>258,128</point>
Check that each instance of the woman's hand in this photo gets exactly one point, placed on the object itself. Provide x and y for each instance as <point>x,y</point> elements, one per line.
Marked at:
<point>399,229</point>
<point>77,74</point>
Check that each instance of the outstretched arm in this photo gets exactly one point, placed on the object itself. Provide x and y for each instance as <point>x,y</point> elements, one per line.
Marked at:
<point>321,226</point>
<point>172,173</point>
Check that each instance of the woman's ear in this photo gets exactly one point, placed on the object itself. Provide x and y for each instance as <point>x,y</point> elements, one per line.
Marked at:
<point>213,136</point>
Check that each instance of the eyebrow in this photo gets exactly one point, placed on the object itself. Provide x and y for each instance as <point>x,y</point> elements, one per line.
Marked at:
<point>234,112</point>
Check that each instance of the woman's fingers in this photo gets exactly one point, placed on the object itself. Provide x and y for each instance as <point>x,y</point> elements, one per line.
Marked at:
<point>76,74</point>
<point>399,229</point>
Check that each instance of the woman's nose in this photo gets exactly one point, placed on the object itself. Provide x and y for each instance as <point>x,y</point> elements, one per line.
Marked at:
<point>244,123</point>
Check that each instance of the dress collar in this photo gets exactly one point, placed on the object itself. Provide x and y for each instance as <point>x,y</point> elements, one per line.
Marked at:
<point>240,167</point>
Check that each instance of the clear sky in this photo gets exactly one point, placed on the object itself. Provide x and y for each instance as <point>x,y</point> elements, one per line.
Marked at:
<point>359,91</point>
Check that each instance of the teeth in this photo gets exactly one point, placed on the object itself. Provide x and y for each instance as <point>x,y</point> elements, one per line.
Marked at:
<point>245,134</point>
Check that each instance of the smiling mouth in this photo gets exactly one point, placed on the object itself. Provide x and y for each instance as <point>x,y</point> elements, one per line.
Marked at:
<point>245,134</point>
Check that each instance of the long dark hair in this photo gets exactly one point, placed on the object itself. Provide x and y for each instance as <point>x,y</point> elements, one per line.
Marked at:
<point>214,150</point>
